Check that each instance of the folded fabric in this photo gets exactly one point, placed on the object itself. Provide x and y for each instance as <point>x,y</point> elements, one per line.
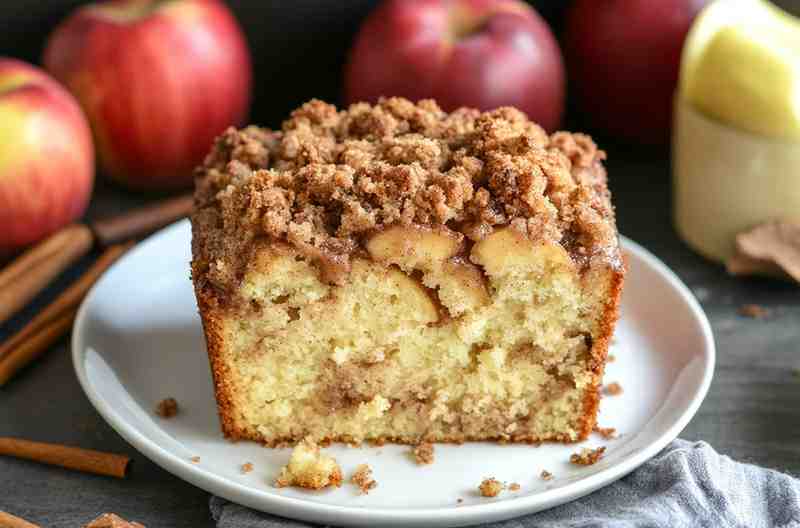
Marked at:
<point>688,484</point>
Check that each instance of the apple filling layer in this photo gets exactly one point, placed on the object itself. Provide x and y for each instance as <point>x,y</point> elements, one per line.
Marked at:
<point>424,340</point>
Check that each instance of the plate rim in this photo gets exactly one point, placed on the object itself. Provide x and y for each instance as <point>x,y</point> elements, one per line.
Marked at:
<point>460,515</point>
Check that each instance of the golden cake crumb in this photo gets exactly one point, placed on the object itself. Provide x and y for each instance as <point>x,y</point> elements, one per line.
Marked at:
<point>546,475</point>
<point>423,453</point>
<point>111,520</point>
<point>363,478</point>
<point>309,468</point>
<point>195,460</point>
<point>587,456</point>
<point>612,389</point>
<point>167,408</point>
<point>491,487</point>
<point>611,358</point>
<point>514,486</point>
<point>247,467</point>
<point>606,432</point>
<point>754,311</point>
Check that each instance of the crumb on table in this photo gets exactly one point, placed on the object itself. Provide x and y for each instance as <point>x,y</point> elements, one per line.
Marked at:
<point>309,468</point>
<point>587,456</point>
<point>363,478</point>
<point>167,408</point>
<point>247,467</point>
<point>514,487</point>
<point>490,487</point>
<point>546,475</point>
<point>606,432</point>
<point>110,520</point>
<point>613,389</point>
<point>754,311</point>
<point>423,453</point>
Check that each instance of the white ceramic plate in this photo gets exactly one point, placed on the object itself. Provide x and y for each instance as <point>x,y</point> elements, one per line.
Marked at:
<point>137,340</point>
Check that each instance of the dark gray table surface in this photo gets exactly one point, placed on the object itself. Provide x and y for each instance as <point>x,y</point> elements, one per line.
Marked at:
<point>752,412</point>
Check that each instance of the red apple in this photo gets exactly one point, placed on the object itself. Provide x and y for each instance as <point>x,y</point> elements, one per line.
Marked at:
<point>46,156</point>
<point>623,58</point>
<point>476,53</point>
<point>159,81</point>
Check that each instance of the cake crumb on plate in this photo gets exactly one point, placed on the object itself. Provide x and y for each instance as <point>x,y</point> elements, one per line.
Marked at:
<point>423,453</point>
<point>195,459</point>
<point>247,467</point>
<point>490,487</point>
<point>363,478</point>
<point>587,456</point>
<point>612,389</point>
<point>167,408</point>
<point>754,311</point>
<point>606,432</point>
<point>546,475</point>
<point>514,487</point>
<point>309,468</point>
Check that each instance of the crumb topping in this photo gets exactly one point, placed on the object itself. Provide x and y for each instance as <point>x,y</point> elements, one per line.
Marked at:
<point>310,468</point>
<point>587,456</point>
<point>490,487</point>
<point>329,177</point>
<point>363,478</point>
<point>423,453</point>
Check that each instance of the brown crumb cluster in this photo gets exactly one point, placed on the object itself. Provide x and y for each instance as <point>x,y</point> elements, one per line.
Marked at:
<point>754,311</point>
<point>309,468</point>
<point>607,433</point>
<point>330,177</point>
<point>363,478</point>
<point>110,520</point>
<point>167,408</point>
<point>612,389</point>
<point>546,475</point>
<point>247,467</point>
<point>514,487</point>
<point>490,487</point>
<point>587,456</point>
<point>423,453</point>
<point>195,460</point>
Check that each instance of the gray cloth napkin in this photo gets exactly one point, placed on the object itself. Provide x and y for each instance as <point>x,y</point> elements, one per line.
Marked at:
<point>686,485</point>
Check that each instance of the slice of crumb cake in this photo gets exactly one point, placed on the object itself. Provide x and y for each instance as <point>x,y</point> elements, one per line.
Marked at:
<point>398,273</point>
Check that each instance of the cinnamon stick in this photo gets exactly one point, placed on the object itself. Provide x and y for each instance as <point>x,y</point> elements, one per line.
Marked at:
<point>142,221</point>
<point>38,266</point>
<point>10,521</point>
<point>86,460</point>
<point>55,320</point>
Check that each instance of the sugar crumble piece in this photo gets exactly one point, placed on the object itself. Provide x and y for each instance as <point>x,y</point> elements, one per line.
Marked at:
<point>195,459</point>
<point>587,456</point>
<point>423,453</point>
<point>546,475</point>
<point>363,478</point>
<point>606,432</point>
<point>247,467</point>
<point>514,487</point>
<point>167,408</point>
<point>309,468</point>
<point>611,358</point>
<point>754,311</point>
<point>612,389</point>
<point>491,487</point>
